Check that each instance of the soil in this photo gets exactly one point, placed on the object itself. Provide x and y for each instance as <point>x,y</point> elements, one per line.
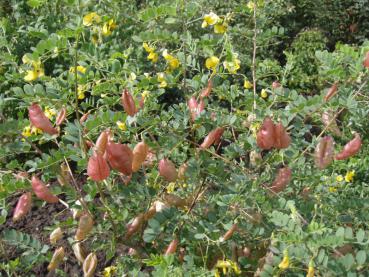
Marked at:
<point>34,224</point>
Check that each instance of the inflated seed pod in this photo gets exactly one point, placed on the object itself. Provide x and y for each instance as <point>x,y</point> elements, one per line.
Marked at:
<point>79,252</point>
<point>332,91</point>
<point>282,179</point>
<point>97,167</point>
<point>128,103</point>
<point>168,170</point>
<point>172,247</point>
<point>265,136</point>
<point>56,235</point>
<point>89,265</point>
<point>229,233</point>
<point>324,152</point>
<point>120,157</point>
<point>85,226</point>
<point>57,258</point>
<point>350,149</point>
<point>139,155</point>
<point>24,205</point>
<point>40,120</point>
<point>42,192</point>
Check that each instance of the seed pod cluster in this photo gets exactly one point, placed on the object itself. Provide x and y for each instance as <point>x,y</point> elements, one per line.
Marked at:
<point>272,135</point>
<point>40,120</point>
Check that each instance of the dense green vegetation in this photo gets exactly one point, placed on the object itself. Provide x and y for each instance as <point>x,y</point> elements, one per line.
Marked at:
<point>184,138</point>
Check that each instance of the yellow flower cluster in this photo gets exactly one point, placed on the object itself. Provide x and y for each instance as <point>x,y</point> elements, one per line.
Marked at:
<point>226,266</point>
<point>153,57</point>
<point>212,19</point>
<point>37,69</point>
<point>172,61</point>
<point>28,131</point>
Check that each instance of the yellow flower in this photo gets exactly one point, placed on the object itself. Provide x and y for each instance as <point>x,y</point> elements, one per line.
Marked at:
<point>349,176</point>
<point>80,69</point>
<point>234,65</point>
<point>220,28</point>
<point>285,263</point>
<point>209,19</point>
<point>37,70</point>
<point>332,189</point>
<point>172,61</point>
<point>251,5</point>
<point>26,131</point>
<point>161,79</point>
<point>247,84</point>
<point>339,178</point>
<point>91,18</point>
<point>121,125</point>
<point>49,112</point>
<point>264,93</point>
<point>212,63</point>
<point>108,271</point>
<point>108,27</point>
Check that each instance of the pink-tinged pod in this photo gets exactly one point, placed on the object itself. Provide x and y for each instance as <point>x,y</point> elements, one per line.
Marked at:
<point>350,149</point>
<point>172,247</point>
<point>139,155</point>
<point>24,205</point>
<point>366,60</point>
<point>128,103</point>
<point>281,181</point>
<point>61,116</point>
<point>332,91</point>
<point>212,138</point>
<point>120,157</point>
<point>167,170</point>
<point>206,91</point>
<point>97,168</point>
<point>39,119</point>
<point>281,137</point>
<point>265,136</point>
<point>42,192</point>
<point>324,152</point>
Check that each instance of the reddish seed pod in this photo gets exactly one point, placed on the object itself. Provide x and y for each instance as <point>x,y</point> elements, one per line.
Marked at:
<point>61,116</point>
<point>206,91</point>
<point>128,103</point>
<point>281,137</point>
<point>172,247</point>
<point>134,226</point>
<point>85,226</point>
<point>330,123</point>
<point>139,155</point>
<point>324,152</point>
<point>120,157</point>
<point>229,233</point>
<point>276,85</point>
<point>167,170</point>
<point>212,138</point>
<point>283,178</point>
<point>350,149</point>
<point>366,60</point>
<point>332,91</point>
<point>42,192</point>
<point>24,205</point>
<point>97,168</point>
<point>102,141</point>
<point>39,119</point>
<point>265,136</point>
